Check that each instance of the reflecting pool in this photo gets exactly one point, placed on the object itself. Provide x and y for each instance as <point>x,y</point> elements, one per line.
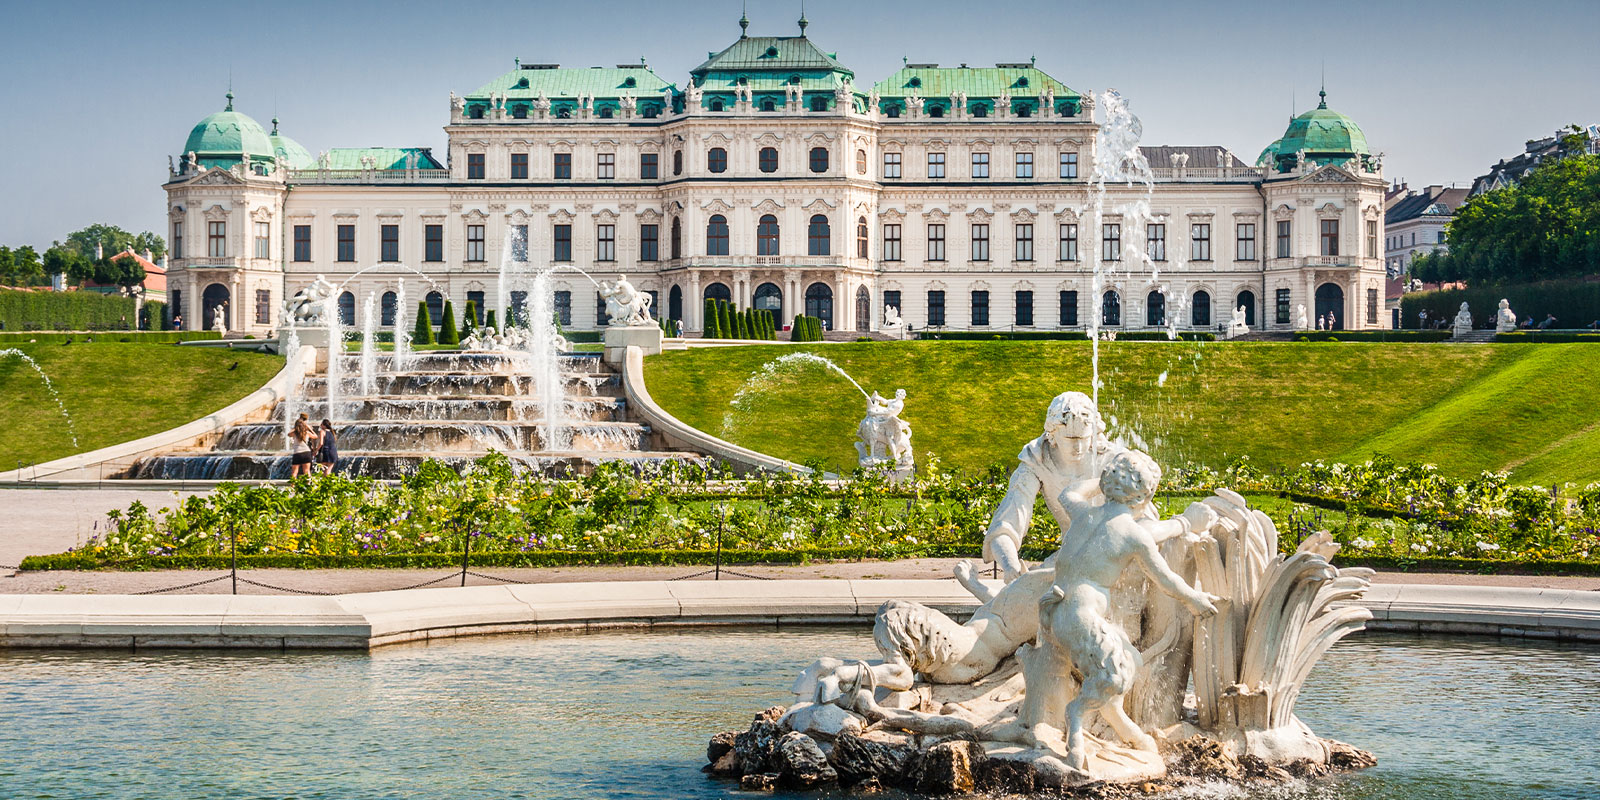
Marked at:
<point>627,715</point>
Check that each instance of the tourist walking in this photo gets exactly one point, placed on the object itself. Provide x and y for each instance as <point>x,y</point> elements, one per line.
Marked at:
<point>301,442</point>
<point>328,448</point>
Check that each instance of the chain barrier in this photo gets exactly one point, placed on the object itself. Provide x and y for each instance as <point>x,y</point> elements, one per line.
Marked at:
<point>719,573</point>
<point>481,575</point>
<point>221,577</point>
<point>285,588</point>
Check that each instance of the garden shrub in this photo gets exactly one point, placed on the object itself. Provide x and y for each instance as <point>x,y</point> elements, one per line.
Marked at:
<point>423,333</point>
<point>65,311</point>
<point>468,320</point>
<point>142,337</point>
<point>448,333</point>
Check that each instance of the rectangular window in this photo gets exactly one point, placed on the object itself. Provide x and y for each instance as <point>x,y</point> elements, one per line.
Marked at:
<point>891,242</point>
<point>1200,241</point>
<point>563,166</point>
<point>980,165</point>
<point>302,242</point>
<point>1283,306</point>
<point>980,242</point>
<point>263,240</point>
<point>563,303</point>
<point>1024,251</point>
<point>1025,166</point>
<point>474,166</point>
<point>1330,237</point>
<point>1111,241</point>
<point>519,166</point>
<point>263,307</point>
<point>475,248</point>
<point>649,166</point>
<point>891,165</point>
<point>1374,226</point>
<point>217,239</point>
<point>936,307</point>
<point>563,244</point>
<point>1156,242</point>
<point>519,243</point>
<point>389,243</point>
<point>1069,165</point>
<point>1246,249</point>
<point>891,297</point>
<point>1069,308</point>
<point>649,242</point>
<point>605,166</point>
<point>433,243</point>
<point>1372,306</point>
<point>177,240</point>
<point>1372,238</point>
<point>980,308</point>
<point>936,242</point>
<point>605,243</point>
<point>347,243</point>
<point>1069,242</point>
<point>1025,308</point>
<point>601,314</point>
<point>1283,238</point>
<point>936,165</point>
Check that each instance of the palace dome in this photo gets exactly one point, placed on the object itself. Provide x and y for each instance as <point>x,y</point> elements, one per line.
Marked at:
<point>226,137</point>
<point>1324,134</point>
<point>289,152</point>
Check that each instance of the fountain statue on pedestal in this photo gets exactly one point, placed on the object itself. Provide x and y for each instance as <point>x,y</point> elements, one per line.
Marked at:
<point>885,439</point>
<point>1505,320</point>
<point>893,324</point>
<point>1462,325</point>
<point>1237,326</point>
<point>626,305</point>
<point>308,307</point>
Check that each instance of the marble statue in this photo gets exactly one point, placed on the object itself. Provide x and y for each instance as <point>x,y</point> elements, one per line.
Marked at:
<point>891,317</point>
<point>219,317</point>
<point>885,439</point>
<point>626,305</point>
<point>1301,323</point>
<point>872,101</point>
<point>191,163</point>
<point>1505,320</point>
<point>1462,325</point>
<point>309,306</point>
<point>1237,326</point>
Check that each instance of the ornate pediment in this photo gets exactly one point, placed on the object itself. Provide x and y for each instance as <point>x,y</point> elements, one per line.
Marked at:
<point>1330,175</point>
<point>176,212</point>
<point>605,215</point>
<point>1023,215</point>
<point>717,206</point>
<point>650,215</point>
<point>819,205</point>
<point>980,214</point>
<point>769,137</point>
<point>891,214</point>
<point>562,216</point>
<point>768,206</point>
<point>1283,211</point>
<point>936,214</point>
<point>216,212</point>
<point>717,138</point>
<point>217,176</point>
<point>980,145</point>
<point>820,139</point>
<point>1329,208</point>
<point>980,285</point>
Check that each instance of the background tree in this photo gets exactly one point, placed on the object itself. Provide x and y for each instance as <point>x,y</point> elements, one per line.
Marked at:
<point>1546,226</point>
<point>64,260</point>
<point>113,240</point>
<point>25,267</point>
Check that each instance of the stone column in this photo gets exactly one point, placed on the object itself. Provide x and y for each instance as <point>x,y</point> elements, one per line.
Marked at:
<point>741,288</point>
<point>844,307</point>
<point>792,302</point>
<point>694,305</point>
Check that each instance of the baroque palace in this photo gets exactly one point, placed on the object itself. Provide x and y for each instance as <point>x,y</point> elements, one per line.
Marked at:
<point>961,196</point>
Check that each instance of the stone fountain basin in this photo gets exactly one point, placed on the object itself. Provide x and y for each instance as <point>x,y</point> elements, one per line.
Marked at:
<point>440,436</point>
<point>463,409</point>
<point>383,465</point>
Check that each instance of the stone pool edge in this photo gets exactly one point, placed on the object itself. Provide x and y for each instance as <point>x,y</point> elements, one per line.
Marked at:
<point>373,619</point>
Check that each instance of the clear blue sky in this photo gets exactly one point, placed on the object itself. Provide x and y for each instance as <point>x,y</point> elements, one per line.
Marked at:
<point>98,94</point>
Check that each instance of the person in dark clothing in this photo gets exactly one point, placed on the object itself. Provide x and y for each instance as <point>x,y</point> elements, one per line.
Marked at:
<point>328,451</point>
<point>1549,322</point>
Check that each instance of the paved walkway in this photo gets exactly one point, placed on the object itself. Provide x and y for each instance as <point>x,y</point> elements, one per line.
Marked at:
<point>43,521</point>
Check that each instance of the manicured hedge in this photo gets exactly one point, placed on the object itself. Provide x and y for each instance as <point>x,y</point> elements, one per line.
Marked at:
<point>142,337</point>
<point>65,311</point>
<point>1575,302</point>
<point>1547,337</point>
<point>1373,336</point>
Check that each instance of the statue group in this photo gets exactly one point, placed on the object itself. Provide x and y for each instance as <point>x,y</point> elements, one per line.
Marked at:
<point>1077,669</point>
<point>884,438</point>
<point>626,305</point>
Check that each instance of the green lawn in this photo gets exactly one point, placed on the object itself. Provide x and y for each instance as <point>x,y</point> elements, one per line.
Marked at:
<point>116,392</point>
<point>1530,408</point>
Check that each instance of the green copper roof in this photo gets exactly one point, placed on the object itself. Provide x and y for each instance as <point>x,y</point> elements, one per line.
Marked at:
<point>769,53</point>
<point>228,136</point>
<point>385,157</point>
<point>527,82</point>
<point>1325,135</point>
<point>288,151</point>
<point>975,82</point>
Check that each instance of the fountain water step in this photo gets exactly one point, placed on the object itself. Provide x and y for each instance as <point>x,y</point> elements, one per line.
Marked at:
<point>463,409</point>
<point>452,361</point>
<point>275,466</point>
<point>445,384</point>
<point>440,436</point>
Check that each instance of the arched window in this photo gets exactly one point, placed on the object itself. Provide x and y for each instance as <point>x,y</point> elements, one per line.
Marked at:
<point>651,111</point>
<point>675,303</point>
<point>891,111</point>
<point>863,310</point>
<point>819,237</point>
<point>767,236</point>
<point>819,304</point>
<point>936,111</point>
<point>980,110</point>
<point>1111,308</point>
<point>605,112</point>
<point>1155,309</point>
<point>718,291</point>
<point>677,162</point>
<point>387,306</point>
<point>717,235</point>
<point>768,297</point>
<point>819,159</point>
<point>1200,311</point>
<point>717,160</point>
<point>716,105</point>
<point>519,111</point>
<point>1023,110</point>
<point>819,104</point>
<point>861,238</point>
<point>476,112</point>
<point>768,105</point>
<point>563,113</point>
<point>213,301</point>
<point>1247,299</point>
<point>435,307</point>
<point>677,238</point>
<point>861,161</point>
<point>768,159</point>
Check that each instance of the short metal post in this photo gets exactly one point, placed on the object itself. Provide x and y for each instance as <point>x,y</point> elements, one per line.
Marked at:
<point>235,558</point>
<point>466,552</point>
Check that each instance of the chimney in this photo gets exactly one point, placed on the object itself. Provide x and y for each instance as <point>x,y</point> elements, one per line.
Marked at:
<point>148,256</point>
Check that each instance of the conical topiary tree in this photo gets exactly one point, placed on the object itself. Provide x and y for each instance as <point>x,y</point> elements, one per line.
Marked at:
<point>729,331</point>
<point>469,320</point>
<point>423,333</point>
<point>795,329</point>
<point>744,323</point>
<point>708,319</point>
<point>448,333</point>
<point>488,320</point>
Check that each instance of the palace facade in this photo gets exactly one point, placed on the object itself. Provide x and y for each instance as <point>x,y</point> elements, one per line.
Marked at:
<point>959,195</point>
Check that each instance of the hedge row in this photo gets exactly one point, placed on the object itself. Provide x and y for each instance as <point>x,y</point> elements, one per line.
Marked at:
<point>65,311</point>
<point>1546,337</point>
<point>140,337</point>
<point>805,329</point>
<point>1373,336</point>
<point>1575,302</point>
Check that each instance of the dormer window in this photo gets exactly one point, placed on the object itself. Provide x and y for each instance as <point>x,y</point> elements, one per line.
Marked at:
<point>794,80</point>
<point>563,113</point>
<point>980,110</point>
<point>716,105</point>
<point>743,81</point>
<point>476,112</point>
<point>1024,110</point>
<point>772,52</point>
<point>605,113</point>
<point>819,104</point>
<point>892,112</point>
<point>936,111</point>
<point>652,111</point>
<point>519,111</point>
<point>916,83</point>
<point>630,83</point>
<point>522,83</point>
<point>768,105</point>
<point>1023,81</point>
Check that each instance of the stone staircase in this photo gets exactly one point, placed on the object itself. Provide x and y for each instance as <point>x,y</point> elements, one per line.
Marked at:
<point>1473,337</point>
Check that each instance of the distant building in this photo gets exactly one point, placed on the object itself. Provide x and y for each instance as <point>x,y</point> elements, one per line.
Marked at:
<point>1414,222</point>
<point>1536,151</point>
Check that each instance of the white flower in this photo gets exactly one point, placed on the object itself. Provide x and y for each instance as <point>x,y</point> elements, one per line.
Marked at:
<point>1419,547</point>
<point>1362,542</point>
<point>1488,546</point>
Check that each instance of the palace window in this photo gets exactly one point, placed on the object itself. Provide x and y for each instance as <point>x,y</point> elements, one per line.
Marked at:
<point>474,166</point>
<point>476,304</point>
<point>605,166</point>
<point>475,243</point>
<point>1069,165</point>
<point>936,241</point>
<point>1024,251</point>
<point>1155,309</point>
<point>891,297</point>
<point>936,165</point>
<point>562,251</point>
<point>302,242</point>
<point>936,111</point>
<point>767,235</point>
<point>1200,241</point>
<point>980,165</point>
<point>649,245</point>
<point>1111,308</point>
<point>1156,241</point>
<point>263,240</point>
<point>819,104</point>
<point>677,162</point>
<point>1372,306</point>
<point>717,235</point>
<point>217,239</point>
<point>1024,166</point>
<point>819,236</point>
<point>1246,248</point>
<point>605,237</point>
<point>819,159</point>
<point>861,162</point>
<point>519,243</point>
<point>980,241</point>
<point>433,243</point>
<point>767,159</point>
<point>649,166</point>
<point>980,308</point>
<point>1069,242</point>
<point>891,242</point>
<point>677,238</point>
<point>1069,308</point>
<point>1283,238</point>
<point>1282,305</point>
<point>769,105</point>
<point>716,105</point>
<point>1025,307</point>
<point>891,165</point>
<point>862,250</point>
<point>936,307</point>
<point>980,110</point>
<point>347,243</point>
<point>563,304</point>
<point>263,307</point>
<point>519,166</point>
<point>389,243</point>
<point>1372,238</point>
<point>1200,309</point>
<point>563,166</point>
<point>1330,237</point>
<point>717,160</point>
<point>1111,241</point>
<point>177,240</point>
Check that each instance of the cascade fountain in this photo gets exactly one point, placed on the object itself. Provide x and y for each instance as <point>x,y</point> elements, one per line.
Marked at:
<point>336,365</point>
<point>369,344</point>
<point>402,328</point>
<point>72,429</point>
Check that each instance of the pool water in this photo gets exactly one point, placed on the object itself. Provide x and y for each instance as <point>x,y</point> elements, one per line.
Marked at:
<point>627,715</point>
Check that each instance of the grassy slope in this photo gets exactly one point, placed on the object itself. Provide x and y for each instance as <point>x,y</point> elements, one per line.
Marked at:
<point>115,393</point>
<point>974,404</point>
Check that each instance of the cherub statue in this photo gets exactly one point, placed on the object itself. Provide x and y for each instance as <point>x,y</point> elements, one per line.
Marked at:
<point>1463,321</point>
<point>626,305</point>
<point>872,101</point>
<point>1505,320</point>
<point>191,163</point>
